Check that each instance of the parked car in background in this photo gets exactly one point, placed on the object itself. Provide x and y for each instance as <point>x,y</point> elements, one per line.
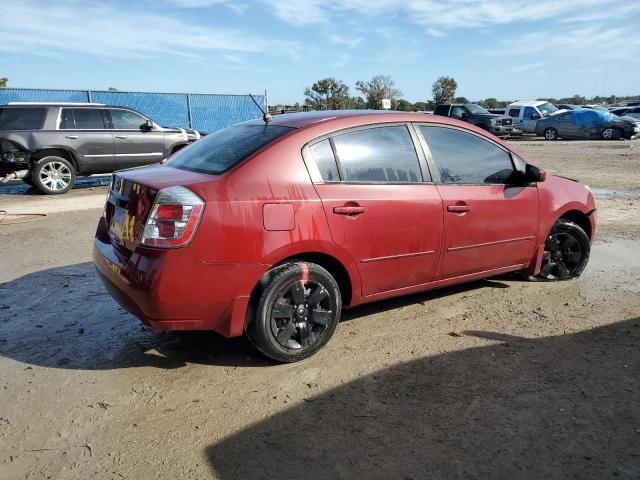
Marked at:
<point>620,111</point>
<point>270,229</point>
<point>567,106</point>
<point>49,144</point>
<point>525,114</point>
<point>633,112</point>
<point>587,124</point>
<point>499,125</point>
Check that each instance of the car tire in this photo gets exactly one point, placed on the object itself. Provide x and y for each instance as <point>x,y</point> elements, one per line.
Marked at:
<point>53,175</point>
<point>285,325</point>
<point>610,133</point>
<point>566,252</point>
<point>550,134</point>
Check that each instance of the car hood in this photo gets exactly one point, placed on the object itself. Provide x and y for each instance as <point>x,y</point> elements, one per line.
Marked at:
<point>489,115</point>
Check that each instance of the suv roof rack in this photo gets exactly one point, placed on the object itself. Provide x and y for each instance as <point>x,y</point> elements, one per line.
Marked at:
<point>59,103</point>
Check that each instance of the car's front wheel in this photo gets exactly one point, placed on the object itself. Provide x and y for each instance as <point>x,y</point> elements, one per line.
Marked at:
<point>53,175</point>
<point>566,252</point>
<point>610,133</point>
<point>297,313</point>
<point>550,134</point>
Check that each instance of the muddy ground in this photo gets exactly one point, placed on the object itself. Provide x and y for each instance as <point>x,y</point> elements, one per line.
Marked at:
<point>544,384</point>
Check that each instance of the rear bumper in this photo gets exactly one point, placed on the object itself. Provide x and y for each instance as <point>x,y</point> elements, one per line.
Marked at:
<point>175,289</point>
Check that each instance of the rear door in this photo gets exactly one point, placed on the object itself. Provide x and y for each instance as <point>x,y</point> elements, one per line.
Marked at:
<point>85,131</point>
<point>488,224</point>
<point>134,145</point>
<point>380,204</point>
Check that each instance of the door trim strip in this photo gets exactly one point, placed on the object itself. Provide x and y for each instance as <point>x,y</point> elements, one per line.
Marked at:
<point>489,244</point>
<point>393,257</point>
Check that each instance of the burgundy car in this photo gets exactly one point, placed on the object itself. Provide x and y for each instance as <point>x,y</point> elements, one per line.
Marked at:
<point>271,229</point>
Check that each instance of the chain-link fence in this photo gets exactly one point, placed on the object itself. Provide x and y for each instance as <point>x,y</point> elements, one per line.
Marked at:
<point>204,112</point>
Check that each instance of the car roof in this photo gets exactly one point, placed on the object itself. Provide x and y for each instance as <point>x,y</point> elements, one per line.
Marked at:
<point>303,119</point>
<point>527,103</point>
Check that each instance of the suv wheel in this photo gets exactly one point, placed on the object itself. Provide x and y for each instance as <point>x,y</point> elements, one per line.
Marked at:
<point>53,175</point>
<point>550,134</point>
<point>566,252</point>
<point>297,313</point>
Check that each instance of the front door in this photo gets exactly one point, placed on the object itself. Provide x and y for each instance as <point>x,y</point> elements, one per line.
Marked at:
<point>488,224</point>
<point>135,145</point>
<point>379,208</point>
<point>528,122</point>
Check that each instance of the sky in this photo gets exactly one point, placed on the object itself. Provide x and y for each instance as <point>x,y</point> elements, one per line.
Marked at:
<point>493,48</point>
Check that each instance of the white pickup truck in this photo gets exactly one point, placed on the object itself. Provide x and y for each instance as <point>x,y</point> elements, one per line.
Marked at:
<point>525,114</point>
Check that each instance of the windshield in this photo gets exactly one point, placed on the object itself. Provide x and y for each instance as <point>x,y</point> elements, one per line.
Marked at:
<point>547,109</point>
<point>218,152</point>
<point>21,118</point>
<point>473,108</point>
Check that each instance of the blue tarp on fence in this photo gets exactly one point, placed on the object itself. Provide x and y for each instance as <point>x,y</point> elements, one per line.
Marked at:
<point>204,112</point>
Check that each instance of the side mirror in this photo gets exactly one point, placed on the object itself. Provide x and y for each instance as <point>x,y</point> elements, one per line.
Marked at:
<point>535,116</point>
<point>148,125</point>
<point>534,174</point>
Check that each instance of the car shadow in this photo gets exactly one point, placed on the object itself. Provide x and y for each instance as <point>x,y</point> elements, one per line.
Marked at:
<point>64,318</point>
<point>551,407</point>
<point>18,187</point>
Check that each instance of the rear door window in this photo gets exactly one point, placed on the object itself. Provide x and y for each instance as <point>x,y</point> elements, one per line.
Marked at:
<point>82,119</point>
<point>325,160</point>
<point>218,152</point>
<point>380,154</point>
<point>465,158</point>
<point>514,112</point>
<point>22,118</point>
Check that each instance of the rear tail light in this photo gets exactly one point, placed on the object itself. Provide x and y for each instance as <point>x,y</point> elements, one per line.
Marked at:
<point>174,218</point>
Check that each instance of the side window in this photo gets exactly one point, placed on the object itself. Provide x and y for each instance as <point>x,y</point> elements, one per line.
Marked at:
<point>442,110</point>
<point>465,158</point>
<point>514,112</point>
<point>66,119</point>
<point>528,112</point>
<point>323,155</point>
<point>457,111</point>
<point>380,154</point>
<point>126,120</point>
<point>88,118</point>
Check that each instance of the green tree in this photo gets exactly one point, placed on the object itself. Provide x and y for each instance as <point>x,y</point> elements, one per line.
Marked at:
<point>357,103</point>
<point>424,106</point>
<point>444,89</point>
<point>404,105</point>
<point>327,94</point>
<point>112,89</point>
<point>461,100</point>
<point>378,88</point>
<point>3,82</point>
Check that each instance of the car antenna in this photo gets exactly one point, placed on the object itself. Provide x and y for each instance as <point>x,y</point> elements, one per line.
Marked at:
<point>266,117</point>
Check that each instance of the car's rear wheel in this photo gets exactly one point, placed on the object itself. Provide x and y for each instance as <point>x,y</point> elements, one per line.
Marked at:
<point>53,175</point>
<point>297,313</point>
<point>550,134</point>
<point>566,252</point>
<point>610,133</point>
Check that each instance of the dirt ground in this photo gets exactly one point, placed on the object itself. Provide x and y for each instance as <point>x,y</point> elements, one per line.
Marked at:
<point>545,383</point>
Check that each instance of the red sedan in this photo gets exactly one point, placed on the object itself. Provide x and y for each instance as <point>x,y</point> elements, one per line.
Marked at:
<point>271,229</point>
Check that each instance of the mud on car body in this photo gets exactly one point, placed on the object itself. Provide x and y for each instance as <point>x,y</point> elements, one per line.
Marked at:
<point>48,145</point>
<point>270,229</point>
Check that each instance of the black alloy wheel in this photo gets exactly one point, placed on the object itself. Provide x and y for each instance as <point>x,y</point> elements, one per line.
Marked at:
<point>566,252</point>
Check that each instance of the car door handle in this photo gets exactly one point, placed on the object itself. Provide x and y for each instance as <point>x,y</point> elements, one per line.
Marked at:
<point>123,137</point>
<point>71,137</point>
<point>458,208</point>
<point>348,210</point>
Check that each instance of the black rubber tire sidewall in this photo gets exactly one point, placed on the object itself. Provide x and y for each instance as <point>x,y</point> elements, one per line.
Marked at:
<point>260,331</point>
<point>581,236</point>
<point>37,167</point>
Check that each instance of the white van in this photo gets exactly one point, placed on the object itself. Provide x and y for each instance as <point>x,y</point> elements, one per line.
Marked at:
<point>526,114</point>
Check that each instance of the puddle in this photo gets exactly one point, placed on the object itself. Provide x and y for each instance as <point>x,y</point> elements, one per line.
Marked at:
<point>610,193</point>
<point>614,265</point>
<point>21,188</point>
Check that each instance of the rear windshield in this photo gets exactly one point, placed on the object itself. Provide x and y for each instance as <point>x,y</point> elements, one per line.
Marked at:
<point>218,152</point>
<point>21,118</point>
